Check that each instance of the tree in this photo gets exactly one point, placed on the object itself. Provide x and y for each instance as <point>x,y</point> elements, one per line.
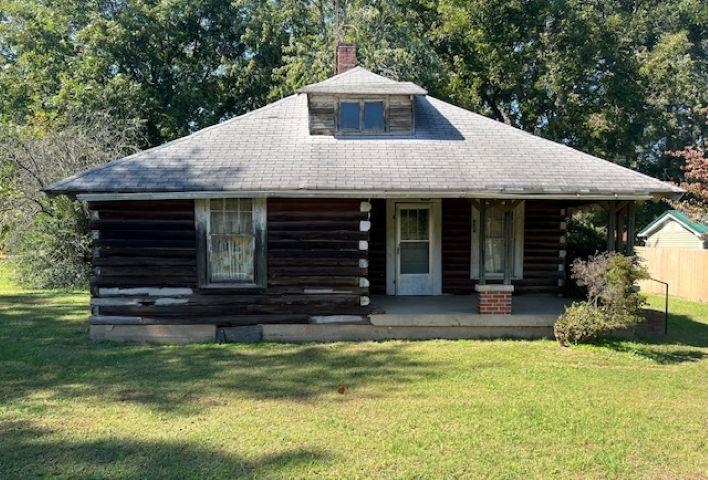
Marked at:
<point>620,80</point>
<point>612,301</point>
<point>48,235</point>
<point>35,156</point>
<point>391,36</point>
<point>695,183</point>
<point>178,65</point>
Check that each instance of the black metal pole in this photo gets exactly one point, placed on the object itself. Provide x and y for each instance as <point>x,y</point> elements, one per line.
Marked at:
<point>666,310</point>
<point>666,304</point>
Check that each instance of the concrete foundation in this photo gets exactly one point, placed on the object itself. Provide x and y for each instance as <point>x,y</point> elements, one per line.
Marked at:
<point>414,318</point>
<point>154,333</point>
<point>338,333</point>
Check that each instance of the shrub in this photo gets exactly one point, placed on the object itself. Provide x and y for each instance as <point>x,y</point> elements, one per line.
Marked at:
<point>612,301</point>
<point>54,250</point>
<point>580,322</point>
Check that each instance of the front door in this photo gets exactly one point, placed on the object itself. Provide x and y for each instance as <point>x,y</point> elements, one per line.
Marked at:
<point>414,252</point>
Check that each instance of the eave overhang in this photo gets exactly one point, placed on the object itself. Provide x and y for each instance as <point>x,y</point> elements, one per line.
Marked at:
<point>186,195</point>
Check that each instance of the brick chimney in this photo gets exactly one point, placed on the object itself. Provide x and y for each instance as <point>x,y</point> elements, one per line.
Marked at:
<point>346,57</point>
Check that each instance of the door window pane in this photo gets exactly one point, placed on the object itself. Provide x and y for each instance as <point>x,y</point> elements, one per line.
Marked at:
<point>414,224</point>
<point>349,115</point>
<point>415,257</point>
<point>414,242</point>
<point>373,116</point>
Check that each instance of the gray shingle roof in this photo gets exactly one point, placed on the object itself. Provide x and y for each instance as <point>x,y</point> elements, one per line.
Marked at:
<point>359,81</point>
<point>453,151</point>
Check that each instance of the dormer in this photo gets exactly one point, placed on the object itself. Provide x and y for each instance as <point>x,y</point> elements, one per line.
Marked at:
<point>357,102</point>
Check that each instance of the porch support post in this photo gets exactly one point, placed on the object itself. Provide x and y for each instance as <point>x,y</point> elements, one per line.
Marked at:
<point>621,220</point>
<point>611,226</point>
<point>631,228</point>
<point>508,245</point>
<point>482,234</point>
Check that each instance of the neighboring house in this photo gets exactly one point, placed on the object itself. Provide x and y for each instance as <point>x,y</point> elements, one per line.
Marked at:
<point>338,202</point>
<point>674,229</point>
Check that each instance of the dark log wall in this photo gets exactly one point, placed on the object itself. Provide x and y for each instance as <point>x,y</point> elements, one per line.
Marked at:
<point>542,247</point>
<point>456,246</point>
<point>145,265</point>
<point>144,244</point>
<point>543,229</point>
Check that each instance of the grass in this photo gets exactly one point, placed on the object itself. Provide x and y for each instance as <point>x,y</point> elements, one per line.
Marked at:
<point>70,408</point>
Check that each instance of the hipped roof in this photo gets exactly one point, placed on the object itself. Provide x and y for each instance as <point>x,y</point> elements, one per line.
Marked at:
<point>453,152</point>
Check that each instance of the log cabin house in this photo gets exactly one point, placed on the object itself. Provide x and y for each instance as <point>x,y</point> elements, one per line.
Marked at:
<point>357,208</point>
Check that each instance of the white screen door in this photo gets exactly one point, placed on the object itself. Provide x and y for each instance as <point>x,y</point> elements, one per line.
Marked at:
<point>413,264</point>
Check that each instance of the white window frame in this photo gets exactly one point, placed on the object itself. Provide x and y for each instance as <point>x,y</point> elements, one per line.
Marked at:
<point>202,220</point>
<point>518,267</point>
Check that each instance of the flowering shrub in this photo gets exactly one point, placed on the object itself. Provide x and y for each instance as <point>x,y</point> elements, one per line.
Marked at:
<point>613,301</point>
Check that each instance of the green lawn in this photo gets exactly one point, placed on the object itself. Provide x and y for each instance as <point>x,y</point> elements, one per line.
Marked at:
<point>70,408</point>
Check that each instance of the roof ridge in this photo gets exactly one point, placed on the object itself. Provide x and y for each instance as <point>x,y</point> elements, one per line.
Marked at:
<point>341,75</point>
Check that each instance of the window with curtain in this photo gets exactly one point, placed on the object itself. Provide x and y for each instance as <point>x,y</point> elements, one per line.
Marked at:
<point>231,240</point>
<point>231,232</point>
<point>494,242</point>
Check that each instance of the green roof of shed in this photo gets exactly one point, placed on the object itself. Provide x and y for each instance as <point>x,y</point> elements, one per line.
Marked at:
<point>699,228</point>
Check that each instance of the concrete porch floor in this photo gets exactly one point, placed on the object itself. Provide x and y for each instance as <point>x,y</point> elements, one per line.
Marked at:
<point>461,310</point>
<point>427,317</point>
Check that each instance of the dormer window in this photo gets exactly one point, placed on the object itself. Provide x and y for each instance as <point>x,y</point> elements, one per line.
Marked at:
<point>349,116</point>
<point>373,116</point>
<point>367,116</point>
<point>360,103</point>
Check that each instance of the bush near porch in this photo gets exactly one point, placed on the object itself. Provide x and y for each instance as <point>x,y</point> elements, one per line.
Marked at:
<point>70,408</point>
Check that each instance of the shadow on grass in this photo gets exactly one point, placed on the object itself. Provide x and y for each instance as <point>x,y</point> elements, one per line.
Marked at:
<point>684,332</point>
<point>662,353</point>
<point>30,452</point>
<point>44,346</point>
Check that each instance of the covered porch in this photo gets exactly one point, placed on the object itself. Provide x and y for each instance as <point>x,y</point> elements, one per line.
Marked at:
<point>488,250</point>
